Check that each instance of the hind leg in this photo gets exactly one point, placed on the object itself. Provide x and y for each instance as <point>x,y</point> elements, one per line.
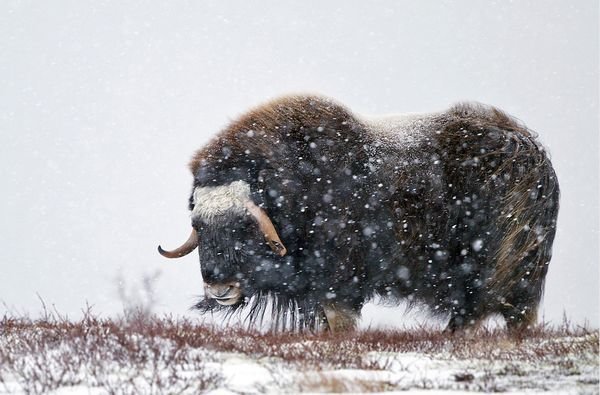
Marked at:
<point>466,317</point>
<point>456,323</point>
<point>467,310</point>
<point>519,317</point>
<point>462,322</point>
<point>520,307</point>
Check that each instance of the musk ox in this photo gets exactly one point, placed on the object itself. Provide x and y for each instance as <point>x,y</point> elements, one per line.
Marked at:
<point>308,208</point>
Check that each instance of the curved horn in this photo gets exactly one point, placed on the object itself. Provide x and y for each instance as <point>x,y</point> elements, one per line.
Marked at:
<point>186,248</point>
<point>266,227</point>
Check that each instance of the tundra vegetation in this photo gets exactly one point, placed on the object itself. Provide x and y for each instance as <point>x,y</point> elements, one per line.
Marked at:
<point>142,353</point>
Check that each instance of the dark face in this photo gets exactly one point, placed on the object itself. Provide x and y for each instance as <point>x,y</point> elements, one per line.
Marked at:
<point>235,259</point>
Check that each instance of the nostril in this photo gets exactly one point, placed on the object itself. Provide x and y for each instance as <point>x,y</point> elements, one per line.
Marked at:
<point>221,293</point>
<point>225,292</point>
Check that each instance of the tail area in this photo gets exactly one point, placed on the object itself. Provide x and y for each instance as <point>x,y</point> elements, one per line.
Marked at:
<point>528,224</point>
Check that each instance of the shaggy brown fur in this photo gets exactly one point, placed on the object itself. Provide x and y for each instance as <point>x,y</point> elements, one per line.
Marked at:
<point>456,210</point>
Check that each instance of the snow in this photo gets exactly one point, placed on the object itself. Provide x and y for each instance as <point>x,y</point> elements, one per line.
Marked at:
<point>224,372</point>
<point>400,130</point>
<point>401,372</point>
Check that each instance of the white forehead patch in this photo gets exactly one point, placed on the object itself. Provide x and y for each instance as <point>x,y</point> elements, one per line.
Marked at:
<point>212,202</point>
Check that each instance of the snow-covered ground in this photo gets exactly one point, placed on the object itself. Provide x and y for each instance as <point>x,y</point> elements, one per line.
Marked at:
<point>412,371</point>
<point>158,356</point>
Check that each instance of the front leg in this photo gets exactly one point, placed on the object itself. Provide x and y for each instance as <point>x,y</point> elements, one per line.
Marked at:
<point>340,318</point>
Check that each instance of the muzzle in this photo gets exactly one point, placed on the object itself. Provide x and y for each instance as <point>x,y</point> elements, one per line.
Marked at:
<point>226,294</point>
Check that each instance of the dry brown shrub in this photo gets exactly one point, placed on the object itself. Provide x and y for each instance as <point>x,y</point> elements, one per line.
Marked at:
<point>165,354</point>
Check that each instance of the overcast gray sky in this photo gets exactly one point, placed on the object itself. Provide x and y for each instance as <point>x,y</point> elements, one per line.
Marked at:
<point>103,103</point>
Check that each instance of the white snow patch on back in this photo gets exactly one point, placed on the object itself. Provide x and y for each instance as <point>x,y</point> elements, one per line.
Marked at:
<point>403,129</point>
